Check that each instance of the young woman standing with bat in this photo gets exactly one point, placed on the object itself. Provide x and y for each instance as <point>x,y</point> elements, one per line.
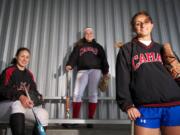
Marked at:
<point>15,106</point>
<point>90,59</point>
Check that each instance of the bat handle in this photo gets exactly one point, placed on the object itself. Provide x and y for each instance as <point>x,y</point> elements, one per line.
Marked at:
<point>67,107</point>
<point>132,127</point>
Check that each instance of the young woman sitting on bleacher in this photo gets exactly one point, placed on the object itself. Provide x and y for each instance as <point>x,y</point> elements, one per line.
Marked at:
<point>15,106</point>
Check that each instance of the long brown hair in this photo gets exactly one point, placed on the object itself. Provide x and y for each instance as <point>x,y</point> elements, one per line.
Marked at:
<point>140,13</point>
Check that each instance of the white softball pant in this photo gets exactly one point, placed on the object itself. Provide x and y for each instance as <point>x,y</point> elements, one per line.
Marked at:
<point>89,78</point>
<point>8,107</point>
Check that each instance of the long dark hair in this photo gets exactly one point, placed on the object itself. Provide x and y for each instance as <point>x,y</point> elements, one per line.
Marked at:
<point>14,60</point>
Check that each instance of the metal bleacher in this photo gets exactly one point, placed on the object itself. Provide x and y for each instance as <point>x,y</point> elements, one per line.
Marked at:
<point>84,121</point>
<point>88,121</point>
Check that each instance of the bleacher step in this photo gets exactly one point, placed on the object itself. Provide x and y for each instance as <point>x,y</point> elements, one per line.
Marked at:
<point>112,129</point>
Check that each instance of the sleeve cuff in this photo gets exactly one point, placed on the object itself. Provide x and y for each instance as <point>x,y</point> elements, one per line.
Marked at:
<point>127,107</point>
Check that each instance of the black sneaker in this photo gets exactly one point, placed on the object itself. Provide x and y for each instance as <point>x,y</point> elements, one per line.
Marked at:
<point>89,126</point>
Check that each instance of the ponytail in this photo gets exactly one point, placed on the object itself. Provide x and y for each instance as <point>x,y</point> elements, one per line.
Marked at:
<point>14,61</point>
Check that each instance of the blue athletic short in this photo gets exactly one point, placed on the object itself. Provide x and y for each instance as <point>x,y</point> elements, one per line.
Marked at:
<point>155,117</point>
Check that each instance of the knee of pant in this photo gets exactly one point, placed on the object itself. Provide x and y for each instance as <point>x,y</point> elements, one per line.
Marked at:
<point>77,98</point>
<point>92,93</point>
<point>43,116</point>
<point>17,107</point>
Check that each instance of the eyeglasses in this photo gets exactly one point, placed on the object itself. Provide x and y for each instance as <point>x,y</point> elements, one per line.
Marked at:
<point>138,23</point>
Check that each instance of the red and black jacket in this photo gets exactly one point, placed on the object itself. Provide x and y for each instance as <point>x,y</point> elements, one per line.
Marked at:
<point>88,55</point>
<point>13,81</point>
<point>142,79</point>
